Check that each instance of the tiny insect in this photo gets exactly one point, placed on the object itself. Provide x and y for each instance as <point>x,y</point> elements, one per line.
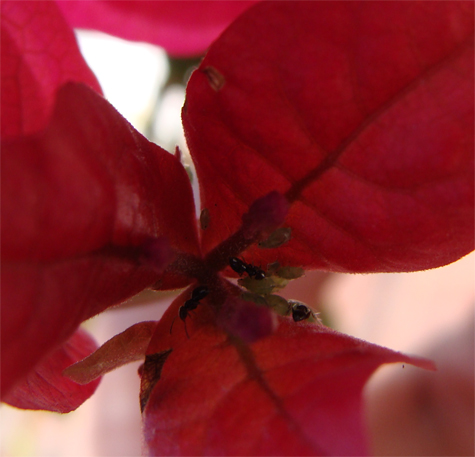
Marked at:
<point>300,312</point>
<point>198,294</point>
<point>204,218</point>
<point>241,267</point>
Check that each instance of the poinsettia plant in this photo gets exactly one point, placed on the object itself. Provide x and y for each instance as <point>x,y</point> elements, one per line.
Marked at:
<point>326,135</point>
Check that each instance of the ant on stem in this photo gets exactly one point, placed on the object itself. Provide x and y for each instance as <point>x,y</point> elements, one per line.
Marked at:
<point>198,294</point>
<point>241,267</point>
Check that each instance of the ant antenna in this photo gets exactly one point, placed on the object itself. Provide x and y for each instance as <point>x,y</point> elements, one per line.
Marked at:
<point>184,322</point>
<point>171,326</point>
<point>186,331</point>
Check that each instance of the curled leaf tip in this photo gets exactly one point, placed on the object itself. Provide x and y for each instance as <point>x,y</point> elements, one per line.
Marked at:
<point>126,347</point>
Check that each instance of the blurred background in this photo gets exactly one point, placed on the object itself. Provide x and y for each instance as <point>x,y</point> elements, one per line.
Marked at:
<point>427,313</point>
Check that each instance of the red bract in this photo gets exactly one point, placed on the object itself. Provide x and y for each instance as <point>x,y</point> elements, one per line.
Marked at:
<point>361,113</point>
<point>82,199</point>
<point>297,392</point>
<point>349,123</point>
<point>182,28</point>
<point>39,54</point>
<point>46,388</point>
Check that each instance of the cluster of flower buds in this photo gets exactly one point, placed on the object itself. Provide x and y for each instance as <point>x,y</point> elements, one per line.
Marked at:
<point>276,278</point>
<point>253,315</point>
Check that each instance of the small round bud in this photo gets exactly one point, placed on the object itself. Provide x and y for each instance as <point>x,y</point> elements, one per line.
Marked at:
<point>279,304</point>
<point>258,286</point>
<point>255,298</point>
<point>277,238</point>
<point>290,272</point>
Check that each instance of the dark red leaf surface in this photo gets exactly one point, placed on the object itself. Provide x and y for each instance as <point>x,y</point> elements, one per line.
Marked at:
<point>360,112</point>
<point>79,202</point>
<point>182,28</point>
<point>297,392</point>
<point>46,388</point>
<point>39,53</point>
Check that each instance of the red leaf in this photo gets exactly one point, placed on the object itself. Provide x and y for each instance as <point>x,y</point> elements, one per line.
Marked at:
<point>39,54</point>
<point>46,388</point>
<point>245,320</point>
<point>90,180</point>
<point>81,202</point>
<point>297,392</point>
<point>361,113</point>
<point>182,28</point>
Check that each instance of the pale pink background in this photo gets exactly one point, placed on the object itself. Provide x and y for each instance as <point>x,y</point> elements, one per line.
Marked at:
<point>408,312</point>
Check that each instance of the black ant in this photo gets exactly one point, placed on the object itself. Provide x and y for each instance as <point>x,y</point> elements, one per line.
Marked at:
<point>241,267</point>
<point>198,294</point>
<point>300,312</point>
